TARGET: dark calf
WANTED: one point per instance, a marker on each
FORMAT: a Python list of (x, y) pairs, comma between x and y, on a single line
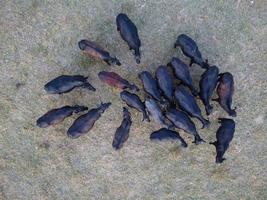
[(190, 49), (182, 73), (165, 82), (188, 103), (225, 91), (129, 34), (115, 80), (182, 121), (134, 101), (155, 111), (57, 115), (224, 136), (122, 133), (165, 134), (150, 85), (85, 123), (66, 83), (94, 50), (207, 85)]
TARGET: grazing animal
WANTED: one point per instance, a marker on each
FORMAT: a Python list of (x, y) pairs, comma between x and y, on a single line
[(182, 73), (94, 50), (115, 80), (165, 134), (224, 136), (57, 115), (150, 85), (182, 121), (155, 111), (85, 123), (190, 49), (165, 82), (225, 91), (66, 83), (188, 103), (129, 34), (134, 101), (122, 133), (207, 85)]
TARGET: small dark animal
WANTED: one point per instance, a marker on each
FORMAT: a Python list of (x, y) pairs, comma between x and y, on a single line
[(115, 80), (57, 115), (225, 91), (188, 103), (129, 34), (122, 133), (134, 101), (155, 111), (165, 82), (165, 134), (150, 85), (190, 49), (66, 83), (207, 85), (85, 123), (182, 121), (182, 73), (224, 136), (94, 50)]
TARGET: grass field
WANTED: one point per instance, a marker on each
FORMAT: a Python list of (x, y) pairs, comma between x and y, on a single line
[(39, 42)]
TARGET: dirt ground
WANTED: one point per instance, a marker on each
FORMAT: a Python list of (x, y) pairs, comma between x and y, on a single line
[(39, 42)]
